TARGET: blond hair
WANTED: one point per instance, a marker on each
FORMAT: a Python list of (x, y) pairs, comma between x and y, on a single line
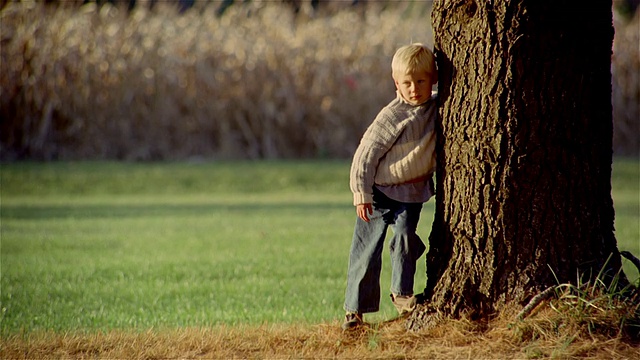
[(413, 58)]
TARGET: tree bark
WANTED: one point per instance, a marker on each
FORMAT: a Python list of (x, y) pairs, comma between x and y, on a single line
[(524, 153)]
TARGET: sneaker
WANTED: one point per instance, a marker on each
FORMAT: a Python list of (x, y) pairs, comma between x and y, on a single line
[(351, 320), (405, 304)]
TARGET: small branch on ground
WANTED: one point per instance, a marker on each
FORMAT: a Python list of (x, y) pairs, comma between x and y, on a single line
[(535, 301)]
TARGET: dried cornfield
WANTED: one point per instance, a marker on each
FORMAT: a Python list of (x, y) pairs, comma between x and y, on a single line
[(89, 82), (626, 86)]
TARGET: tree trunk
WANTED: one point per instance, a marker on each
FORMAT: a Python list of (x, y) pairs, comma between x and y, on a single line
[(525, 151)]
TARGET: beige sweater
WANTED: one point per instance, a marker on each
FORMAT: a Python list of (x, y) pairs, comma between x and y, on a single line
[(397, 148)]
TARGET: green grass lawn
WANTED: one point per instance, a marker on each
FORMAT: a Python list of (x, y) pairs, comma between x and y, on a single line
[(99, 246)]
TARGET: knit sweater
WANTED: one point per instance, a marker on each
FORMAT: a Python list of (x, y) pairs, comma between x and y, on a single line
[(397, 148)]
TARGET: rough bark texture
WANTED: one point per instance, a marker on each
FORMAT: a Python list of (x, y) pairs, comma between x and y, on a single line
[(524, 168)]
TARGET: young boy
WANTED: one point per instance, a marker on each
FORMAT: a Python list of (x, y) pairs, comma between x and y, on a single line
[(391, 177)]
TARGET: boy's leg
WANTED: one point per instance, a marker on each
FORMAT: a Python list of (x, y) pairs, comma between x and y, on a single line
[(405, 247), (365, 263)]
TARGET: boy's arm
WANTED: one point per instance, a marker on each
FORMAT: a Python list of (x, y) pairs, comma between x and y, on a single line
[(375, 143)]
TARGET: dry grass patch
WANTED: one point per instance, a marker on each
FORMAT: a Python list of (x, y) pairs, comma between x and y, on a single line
[(536, 337)]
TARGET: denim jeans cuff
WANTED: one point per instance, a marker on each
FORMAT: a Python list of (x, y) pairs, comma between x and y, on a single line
[(401, 293), (362, 311)]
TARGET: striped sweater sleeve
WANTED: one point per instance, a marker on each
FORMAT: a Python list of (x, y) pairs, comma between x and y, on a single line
[(375, 143), (397, 148)]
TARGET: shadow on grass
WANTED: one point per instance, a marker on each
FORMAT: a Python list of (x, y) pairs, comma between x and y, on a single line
[(93, 211)]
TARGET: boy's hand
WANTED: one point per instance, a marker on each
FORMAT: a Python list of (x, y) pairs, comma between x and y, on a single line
[(364, 210)]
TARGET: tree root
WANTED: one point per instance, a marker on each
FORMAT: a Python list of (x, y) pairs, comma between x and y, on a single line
[(548, 292), (635, 295), (632, 258), (426, 316), (423, 317)]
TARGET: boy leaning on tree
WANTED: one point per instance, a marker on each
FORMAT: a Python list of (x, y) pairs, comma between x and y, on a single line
[(391, 177)]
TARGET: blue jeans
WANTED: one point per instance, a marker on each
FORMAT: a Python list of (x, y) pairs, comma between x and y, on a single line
[(365, 259)]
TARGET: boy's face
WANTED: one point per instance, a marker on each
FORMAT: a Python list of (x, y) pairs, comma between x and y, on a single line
[(415, 87)]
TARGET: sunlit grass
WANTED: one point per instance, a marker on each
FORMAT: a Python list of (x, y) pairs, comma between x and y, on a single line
[(104, 246), (625, 191), (97, 246)]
